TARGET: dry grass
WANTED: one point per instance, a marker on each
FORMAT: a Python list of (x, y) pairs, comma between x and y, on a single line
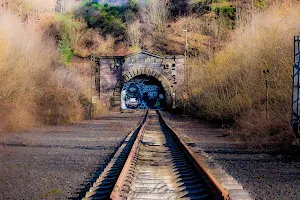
[(233, 83), (99, 109), (89, 41), (134, 35), (28, 8), (154, 14), (34, 87), (81, 39), (35, 7), (203, 39)]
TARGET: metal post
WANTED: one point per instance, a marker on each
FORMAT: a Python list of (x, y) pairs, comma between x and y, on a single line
[(266, 72), (267, 98), (187, 69), (296, 87), (99, 74), (92, 84), (186, 73)]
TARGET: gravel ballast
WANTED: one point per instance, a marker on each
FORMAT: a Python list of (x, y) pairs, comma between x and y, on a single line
[(266, 175), (58, 162)]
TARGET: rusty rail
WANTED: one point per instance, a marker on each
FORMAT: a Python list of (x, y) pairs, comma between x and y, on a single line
[(102, 187), (202, 169), (123, 183), (118, 191), (157, 155)]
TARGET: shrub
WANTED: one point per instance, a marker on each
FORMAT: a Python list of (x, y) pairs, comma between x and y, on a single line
[(108, 18), (224, 14), (59, 102), (34, 86), (262, 4), (154, 14), (63, 27), (65, 51), (134, 34), (29, 8), (232, 85), (74, 37), (179, 8)]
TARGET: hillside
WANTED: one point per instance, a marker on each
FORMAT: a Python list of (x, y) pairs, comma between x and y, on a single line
[(37, 86), (230, 42), (229, 48)]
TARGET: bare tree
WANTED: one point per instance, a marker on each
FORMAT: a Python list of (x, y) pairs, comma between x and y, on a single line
[(154, 14), (134, 34)]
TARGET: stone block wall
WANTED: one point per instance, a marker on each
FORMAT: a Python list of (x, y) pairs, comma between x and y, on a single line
[(114, 71)]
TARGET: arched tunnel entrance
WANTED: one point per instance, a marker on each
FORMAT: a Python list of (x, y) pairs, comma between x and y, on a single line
[(143, 92)]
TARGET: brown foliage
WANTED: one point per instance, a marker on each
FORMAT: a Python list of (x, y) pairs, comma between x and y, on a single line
[(34, 86), (232, 84)]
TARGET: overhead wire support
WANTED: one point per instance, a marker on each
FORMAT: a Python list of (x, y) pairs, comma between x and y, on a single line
[(296, 88)]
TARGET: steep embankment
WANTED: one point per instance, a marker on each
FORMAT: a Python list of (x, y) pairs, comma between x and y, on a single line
[(35, 86), (233, 84)]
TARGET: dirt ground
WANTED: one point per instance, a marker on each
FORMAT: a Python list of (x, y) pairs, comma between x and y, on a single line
[(58, 162), (267, 175)]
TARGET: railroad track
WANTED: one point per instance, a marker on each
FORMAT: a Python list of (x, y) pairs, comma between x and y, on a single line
[(154, 163)]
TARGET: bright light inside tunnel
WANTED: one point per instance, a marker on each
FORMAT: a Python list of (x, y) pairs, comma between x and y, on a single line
[(143, 92)]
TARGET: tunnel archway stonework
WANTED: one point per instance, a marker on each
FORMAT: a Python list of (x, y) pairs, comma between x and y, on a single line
[(150, 72), (150, 90), (113, 72)]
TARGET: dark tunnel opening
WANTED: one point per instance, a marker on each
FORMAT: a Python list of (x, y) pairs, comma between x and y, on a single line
[(143, 92)]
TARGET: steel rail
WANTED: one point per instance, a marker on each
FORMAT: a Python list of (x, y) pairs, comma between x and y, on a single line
[(102, 187), (117, 192), (126, 178), (201, 168)]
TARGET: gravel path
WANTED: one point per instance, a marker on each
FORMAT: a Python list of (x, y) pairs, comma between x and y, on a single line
[(58, 162), (267, 176)]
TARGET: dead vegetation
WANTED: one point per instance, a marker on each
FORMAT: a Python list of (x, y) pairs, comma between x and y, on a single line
[(230, 44), (233, 85), (75, 33), (35, 87)]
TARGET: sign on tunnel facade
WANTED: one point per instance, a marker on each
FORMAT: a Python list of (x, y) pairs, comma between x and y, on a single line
[(139, 81)]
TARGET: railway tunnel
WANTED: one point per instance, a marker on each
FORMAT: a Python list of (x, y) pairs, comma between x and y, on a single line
[(143, 92), (140, 80)]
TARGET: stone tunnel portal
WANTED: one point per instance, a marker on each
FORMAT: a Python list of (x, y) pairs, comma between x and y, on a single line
[(143, 92)]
